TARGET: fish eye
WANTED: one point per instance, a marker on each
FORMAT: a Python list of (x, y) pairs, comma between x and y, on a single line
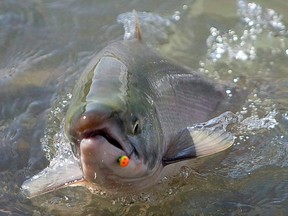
[(135, 125)]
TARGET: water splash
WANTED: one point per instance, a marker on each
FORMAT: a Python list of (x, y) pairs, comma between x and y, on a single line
[(54, 142), (258, 22), (254, 123), (154, 27), (231, 45), (257, 18)]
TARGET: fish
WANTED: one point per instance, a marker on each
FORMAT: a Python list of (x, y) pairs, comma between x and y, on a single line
[(133, 116)]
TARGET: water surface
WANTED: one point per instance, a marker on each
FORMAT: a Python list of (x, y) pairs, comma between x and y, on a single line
[(46, 44)]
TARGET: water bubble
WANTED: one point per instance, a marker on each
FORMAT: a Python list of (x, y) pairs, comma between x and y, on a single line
[(241, 55), (243, 112), (229, 92), (235, 80), (176, 16), (202, 64), (243, 46)]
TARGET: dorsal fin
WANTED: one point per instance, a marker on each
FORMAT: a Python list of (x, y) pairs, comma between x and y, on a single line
[(138, 31)]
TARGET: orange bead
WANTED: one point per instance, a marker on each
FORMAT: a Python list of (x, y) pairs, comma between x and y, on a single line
[(123, 161)]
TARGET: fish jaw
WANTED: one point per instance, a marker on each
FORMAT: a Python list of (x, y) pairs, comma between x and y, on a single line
[(100, 166)]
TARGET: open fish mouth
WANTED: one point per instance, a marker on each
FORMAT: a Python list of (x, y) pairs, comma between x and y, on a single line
[(99, 147), (113, 138), (100, 121), (105, 133)]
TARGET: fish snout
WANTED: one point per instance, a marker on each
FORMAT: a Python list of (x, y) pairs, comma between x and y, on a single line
[(86, 123), (98, 120), (100, 141)]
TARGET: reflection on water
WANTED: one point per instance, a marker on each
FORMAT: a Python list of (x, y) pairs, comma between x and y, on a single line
[(46, 44)]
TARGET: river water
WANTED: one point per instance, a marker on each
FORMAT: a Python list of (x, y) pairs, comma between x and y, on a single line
[(46, 44)]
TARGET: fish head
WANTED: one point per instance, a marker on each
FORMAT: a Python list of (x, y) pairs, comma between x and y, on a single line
[(114, 124)]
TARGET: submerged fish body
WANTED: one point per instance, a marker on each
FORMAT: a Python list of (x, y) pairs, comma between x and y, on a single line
[(132, 102)]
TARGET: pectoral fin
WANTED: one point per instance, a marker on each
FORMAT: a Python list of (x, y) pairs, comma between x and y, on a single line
[(59, 174), (201, 140)]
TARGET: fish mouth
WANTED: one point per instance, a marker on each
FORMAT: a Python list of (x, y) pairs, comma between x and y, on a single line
[(112, 136), (102, 121), (100, 151), (105, 134)]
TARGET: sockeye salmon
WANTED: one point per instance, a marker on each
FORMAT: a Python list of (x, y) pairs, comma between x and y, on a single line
[(133, 114)]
